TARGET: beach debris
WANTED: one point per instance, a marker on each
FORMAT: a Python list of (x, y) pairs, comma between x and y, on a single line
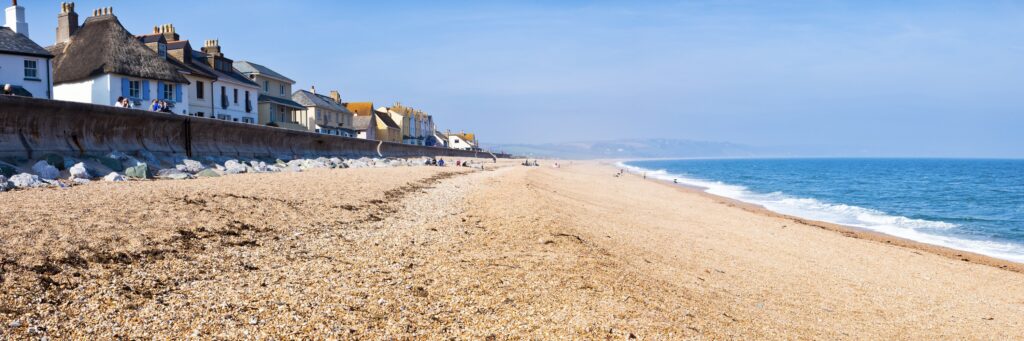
[(114, 177), (78, 171), (25, 180), (140, 171), (208, 173), (45, 170), (173, 174), (190, 166), (234, 167)]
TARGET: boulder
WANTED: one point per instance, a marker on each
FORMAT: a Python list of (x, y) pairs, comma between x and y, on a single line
[(234, 167), (114, 177), (55, 161), (78, 171), (112, 163), (7, 170), (25, 180), (45, 170), (208, 173), (79, 181), (190, 166), (138, 172), (4, 185), (173, 174)]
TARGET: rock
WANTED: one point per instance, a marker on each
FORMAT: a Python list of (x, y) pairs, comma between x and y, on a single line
[(234, 167), (25, 180), (208, 173), (259, 166), (396, 163), (114, 177), (45, 170), (190, 166), (15, 324), (173, 174), (79, 181), (4, 184), (138, 172), (336, 163), (7, 170), (78, 171), (112, 163), (54, 160)]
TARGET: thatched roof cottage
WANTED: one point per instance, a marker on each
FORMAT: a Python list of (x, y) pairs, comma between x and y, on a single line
[(100, 61)]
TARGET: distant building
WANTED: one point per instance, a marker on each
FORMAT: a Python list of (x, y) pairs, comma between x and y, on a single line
[(101, 61), (276, 107), (378, 126), (462, 141), (324, 114), (416, 125), (25, 65)]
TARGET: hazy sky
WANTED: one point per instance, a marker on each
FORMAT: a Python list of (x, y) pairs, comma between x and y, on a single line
[(924, 78)]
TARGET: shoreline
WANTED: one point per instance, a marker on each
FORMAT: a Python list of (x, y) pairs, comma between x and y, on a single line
[(845, 230)]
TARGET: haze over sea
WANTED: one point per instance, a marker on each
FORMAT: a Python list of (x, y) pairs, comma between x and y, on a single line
[(975, 205)]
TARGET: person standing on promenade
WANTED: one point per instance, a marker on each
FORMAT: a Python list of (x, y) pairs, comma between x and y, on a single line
[(8, 91), (154, 105)]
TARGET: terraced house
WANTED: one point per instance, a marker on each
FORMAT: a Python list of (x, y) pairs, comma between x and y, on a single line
[(372, 124), (324, 114), (216, 89), (100, 61), (276, 107)]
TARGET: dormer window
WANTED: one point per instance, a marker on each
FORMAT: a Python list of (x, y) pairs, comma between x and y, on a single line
[(161, 49)]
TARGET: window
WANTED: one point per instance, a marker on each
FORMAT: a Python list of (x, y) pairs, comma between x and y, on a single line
[(248, 120), (134, 89), (266, 86), (236, 96), (248, 104), (162, 50), (223, 117), (224, 97), (200, 92), (282, 89), (31, 69), (201, 114), (169, 92)]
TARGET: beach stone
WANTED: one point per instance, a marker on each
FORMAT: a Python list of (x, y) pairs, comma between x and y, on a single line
[(4, 184), (54, 160), (173, 174), (190, 166), (208, 173), (45, 170), (15, 324), (234, 167), (78, 171), (79, 181), (7, 170), (25, 180), (114, 177), (112, 163), (259, 166), (138, 172)]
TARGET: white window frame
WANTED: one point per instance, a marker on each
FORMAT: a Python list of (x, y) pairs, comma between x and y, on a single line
[(31, 66)]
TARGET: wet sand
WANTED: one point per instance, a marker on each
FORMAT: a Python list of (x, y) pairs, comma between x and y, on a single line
[(511, 252)]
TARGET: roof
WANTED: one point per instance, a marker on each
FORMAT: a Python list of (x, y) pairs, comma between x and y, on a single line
[(250, 67), (360, 108), (234, 75), (281, 101), (361, 123), (15, 43), (387, 120), (103, 46), (310, 99)]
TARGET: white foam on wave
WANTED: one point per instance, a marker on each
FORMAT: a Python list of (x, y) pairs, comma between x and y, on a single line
[(849, 215)]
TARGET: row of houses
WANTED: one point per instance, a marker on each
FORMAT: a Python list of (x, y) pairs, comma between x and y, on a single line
[(98, 61)]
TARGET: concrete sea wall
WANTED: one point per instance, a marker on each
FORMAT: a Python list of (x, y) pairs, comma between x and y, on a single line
[(32, 127)]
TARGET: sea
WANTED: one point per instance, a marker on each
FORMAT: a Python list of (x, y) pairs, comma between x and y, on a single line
[(974, 205)]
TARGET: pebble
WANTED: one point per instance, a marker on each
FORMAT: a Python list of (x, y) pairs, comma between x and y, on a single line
[(14, 324)]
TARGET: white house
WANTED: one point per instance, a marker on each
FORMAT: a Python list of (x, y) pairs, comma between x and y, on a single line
[(101, 61), (216, 89), (25, 65), (462, 141)]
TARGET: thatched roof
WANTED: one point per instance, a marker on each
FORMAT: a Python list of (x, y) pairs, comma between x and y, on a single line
[(103, 46)]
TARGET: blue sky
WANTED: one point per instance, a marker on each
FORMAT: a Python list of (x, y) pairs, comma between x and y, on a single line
[(888, 78)]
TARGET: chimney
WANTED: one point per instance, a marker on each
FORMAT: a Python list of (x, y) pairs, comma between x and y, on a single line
[(336, 96), (312, 89), (168, 32), (67, 22), (16, 18), (212, 48)]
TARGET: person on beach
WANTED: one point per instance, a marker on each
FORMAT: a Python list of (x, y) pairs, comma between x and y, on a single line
[(458, 163), (675, 181), (120, 102), (440, 163), (8, 90)]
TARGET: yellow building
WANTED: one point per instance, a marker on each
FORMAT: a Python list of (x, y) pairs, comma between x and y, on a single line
[(383, 127)]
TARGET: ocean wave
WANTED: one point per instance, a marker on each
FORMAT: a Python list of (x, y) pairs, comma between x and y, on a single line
[(921, 230)]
